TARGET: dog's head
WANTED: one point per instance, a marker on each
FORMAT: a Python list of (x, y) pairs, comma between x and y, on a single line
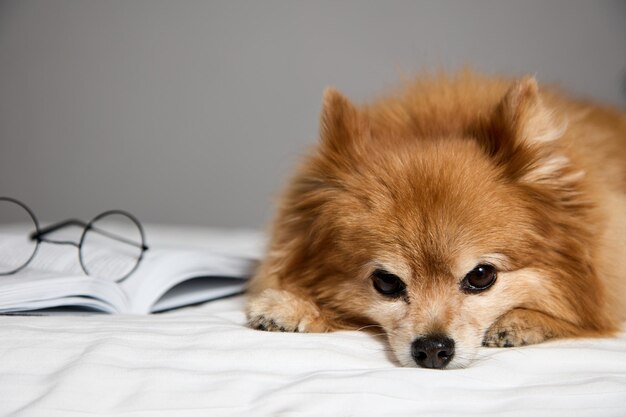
[(432, 219)]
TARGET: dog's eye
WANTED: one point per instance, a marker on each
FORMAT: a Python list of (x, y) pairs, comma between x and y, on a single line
[(387, 284), (479, 278)]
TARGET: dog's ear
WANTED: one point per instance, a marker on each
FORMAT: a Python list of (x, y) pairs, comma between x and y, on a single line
[(524, 117), (341, 124), (523, 136)]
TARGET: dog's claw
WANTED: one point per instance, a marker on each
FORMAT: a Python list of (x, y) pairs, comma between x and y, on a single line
[(269, 325)]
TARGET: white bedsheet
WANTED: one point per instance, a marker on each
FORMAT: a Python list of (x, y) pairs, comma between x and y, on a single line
[(203, 361)]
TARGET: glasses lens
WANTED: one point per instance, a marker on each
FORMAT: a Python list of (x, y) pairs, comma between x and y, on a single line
[(16, 226), (111, 248)]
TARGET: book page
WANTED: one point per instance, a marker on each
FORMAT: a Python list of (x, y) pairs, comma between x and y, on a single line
[(63, 306), (53, 275), (32, 289), (105, 261), (163, 269), (15, 250), (198, 290)]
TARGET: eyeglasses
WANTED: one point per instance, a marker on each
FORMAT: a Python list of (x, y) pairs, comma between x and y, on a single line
[(111, 245)]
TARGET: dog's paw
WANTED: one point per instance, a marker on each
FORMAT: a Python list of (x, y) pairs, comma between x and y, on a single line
[(281, 311), (515, 328)]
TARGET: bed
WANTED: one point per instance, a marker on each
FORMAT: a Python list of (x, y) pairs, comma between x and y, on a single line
[(203, 361)]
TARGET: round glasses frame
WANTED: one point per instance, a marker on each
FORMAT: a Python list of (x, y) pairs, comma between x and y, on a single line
[(38, 235)]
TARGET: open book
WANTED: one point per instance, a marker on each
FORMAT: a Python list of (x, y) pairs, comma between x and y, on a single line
[(168, 276)]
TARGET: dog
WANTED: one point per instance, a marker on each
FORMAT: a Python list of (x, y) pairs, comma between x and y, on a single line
[(461, 211)]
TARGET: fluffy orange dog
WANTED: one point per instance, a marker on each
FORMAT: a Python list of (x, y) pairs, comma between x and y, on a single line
[(463, 211)]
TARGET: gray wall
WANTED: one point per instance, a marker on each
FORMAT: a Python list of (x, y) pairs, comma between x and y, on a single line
[(194, 112)]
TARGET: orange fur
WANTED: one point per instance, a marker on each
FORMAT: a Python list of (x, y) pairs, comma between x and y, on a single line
[(449, 173)]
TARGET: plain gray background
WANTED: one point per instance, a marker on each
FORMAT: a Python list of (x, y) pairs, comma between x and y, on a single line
[(195, 112)]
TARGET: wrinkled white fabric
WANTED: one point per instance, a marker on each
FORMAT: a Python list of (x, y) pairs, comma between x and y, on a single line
[(202, 361)]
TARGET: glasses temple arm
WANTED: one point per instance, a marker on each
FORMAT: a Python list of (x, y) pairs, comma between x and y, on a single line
[(118, 238)]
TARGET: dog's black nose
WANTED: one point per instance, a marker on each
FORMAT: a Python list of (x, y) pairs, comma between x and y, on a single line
[(433, 351)]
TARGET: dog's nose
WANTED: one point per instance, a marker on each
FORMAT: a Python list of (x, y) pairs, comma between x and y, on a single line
[(433, 351)]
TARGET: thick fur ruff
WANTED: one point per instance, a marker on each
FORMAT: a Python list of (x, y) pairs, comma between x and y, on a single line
[(445, 175)]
